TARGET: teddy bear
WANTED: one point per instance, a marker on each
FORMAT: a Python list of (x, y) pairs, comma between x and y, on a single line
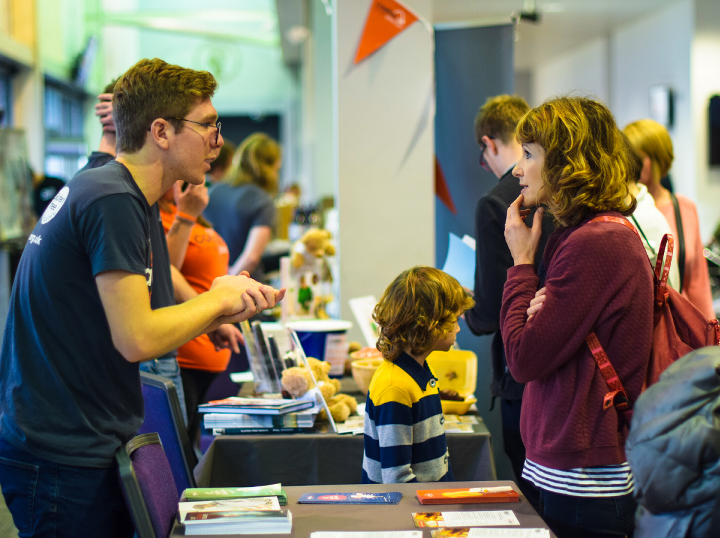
[(313, 244), (297, 381)]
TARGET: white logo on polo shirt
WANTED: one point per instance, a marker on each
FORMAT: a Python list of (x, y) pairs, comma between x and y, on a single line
[(55, 205)]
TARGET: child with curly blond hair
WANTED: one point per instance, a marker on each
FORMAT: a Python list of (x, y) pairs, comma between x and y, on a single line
[(404, 424)]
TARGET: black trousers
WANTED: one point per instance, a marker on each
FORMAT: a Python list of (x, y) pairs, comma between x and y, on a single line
[(196, 384), (515, 449)]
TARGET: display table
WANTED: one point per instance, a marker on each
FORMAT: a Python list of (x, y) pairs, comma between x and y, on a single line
[(322, 458), (308, 518)]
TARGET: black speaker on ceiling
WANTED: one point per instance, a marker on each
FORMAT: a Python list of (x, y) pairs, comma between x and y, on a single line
[(714, 127)]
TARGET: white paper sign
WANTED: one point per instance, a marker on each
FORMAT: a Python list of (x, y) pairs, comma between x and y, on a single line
[(486, 518), (362, 308), (398, 534), (509, 533), (460, 261)]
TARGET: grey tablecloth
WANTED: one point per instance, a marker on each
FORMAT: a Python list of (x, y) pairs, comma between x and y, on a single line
[(308, 518), (318, 459)]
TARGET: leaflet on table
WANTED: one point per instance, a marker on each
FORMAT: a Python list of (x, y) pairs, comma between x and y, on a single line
[(460, 261), (254, 504), (488, 518), (252, 431), (388, 534), (457, 427), (392, 497), (209, 494), (462, 419), (490, 533), (497, 494)]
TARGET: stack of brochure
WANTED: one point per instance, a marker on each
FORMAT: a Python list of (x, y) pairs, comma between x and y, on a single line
[(257, 515), (255, 406), (238, 424)]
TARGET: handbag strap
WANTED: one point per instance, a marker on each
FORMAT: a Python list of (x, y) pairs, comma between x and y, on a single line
[(661, 271), (681, 239), (616, 397)]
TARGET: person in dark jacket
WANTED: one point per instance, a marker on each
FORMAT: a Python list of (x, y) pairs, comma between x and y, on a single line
[(499, 151), (674, 450)]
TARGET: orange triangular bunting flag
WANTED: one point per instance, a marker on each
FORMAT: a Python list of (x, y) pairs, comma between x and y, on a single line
[(385, 20), (441, 188)]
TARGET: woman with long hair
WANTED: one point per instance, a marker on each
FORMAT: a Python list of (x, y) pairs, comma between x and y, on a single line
[(595, 277), (651, 142), (242, 208)]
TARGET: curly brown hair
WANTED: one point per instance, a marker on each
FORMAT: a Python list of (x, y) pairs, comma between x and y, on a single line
[(417, 309), (586, 160), (153, 89)]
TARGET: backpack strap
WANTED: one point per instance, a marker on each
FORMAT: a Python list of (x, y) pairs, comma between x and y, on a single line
[(616, 397), (681, 239)]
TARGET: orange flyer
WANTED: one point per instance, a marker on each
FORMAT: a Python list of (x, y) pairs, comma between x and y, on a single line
[(499, 494)]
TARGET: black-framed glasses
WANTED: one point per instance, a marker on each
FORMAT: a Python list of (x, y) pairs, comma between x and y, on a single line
[(216, 125), (483, 162)]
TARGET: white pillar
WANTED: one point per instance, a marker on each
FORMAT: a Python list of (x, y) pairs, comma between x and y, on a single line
[(384, 109)]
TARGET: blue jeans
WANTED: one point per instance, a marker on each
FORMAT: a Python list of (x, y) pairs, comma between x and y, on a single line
[(51, 500), (588, 517), (168, 367)]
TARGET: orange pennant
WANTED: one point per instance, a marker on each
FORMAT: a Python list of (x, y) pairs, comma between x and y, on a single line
[(441, 188), (385, 20)]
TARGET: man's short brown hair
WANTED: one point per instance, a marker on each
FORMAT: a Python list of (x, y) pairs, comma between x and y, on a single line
[(498, 117), (153, 89)]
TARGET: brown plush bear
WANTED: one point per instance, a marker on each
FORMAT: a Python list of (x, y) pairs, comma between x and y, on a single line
[(297, 381), (313, 244)]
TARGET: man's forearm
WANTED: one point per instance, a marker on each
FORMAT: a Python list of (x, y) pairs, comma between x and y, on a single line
[(140, 333)]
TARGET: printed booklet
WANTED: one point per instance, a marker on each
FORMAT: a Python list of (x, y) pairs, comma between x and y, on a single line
[(204, 523), (499, 494), (254, 504), (210, 494), (351, 498)]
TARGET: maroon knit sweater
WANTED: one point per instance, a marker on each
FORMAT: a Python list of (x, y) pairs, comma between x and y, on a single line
[(598, 279)]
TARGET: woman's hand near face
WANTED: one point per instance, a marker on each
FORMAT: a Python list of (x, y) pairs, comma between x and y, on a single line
[(522, 241)]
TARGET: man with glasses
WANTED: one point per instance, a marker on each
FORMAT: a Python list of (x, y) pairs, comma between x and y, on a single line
[(499, 151), (170, 285), (81, 320)]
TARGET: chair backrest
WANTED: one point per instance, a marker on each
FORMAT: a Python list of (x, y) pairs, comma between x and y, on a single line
[(163, 415), (148, 485)]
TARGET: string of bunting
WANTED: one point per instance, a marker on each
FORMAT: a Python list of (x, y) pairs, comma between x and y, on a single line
[(386, 19)]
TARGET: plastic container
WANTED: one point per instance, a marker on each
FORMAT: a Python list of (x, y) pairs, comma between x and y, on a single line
[(324, 339), (455, 369), (363, 371), (451, 407)]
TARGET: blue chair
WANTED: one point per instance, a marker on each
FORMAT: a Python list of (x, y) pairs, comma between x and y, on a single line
[(163, 415), (148, 485)]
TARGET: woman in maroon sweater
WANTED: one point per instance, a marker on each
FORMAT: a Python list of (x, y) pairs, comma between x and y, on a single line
[(594, 277)]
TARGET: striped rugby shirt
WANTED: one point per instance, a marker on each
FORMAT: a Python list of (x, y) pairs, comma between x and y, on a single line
[(601, 481), (404, 426)]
